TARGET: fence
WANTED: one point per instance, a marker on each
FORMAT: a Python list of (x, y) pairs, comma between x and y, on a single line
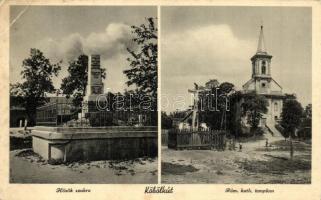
[(164, 137), (55, 114), (65, 114), (196, 139)]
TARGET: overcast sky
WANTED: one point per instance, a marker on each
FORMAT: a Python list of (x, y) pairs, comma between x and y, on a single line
[(202, 43), (66, 32)]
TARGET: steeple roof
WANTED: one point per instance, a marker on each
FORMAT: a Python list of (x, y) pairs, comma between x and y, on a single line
[(261, 45), (261, 49)]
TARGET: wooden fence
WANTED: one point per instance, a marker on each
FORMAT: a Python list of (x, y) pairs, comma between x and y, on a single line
[(164, 137), (199, 139)]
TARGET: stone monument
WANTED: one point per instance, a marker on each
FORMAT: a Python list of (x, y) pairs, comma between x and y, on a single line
[(95, 86), (69, 144)]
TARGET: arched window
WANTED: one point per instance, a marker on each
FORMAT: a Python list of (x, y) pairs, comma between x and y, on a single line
[(263, 67), (276, 107)]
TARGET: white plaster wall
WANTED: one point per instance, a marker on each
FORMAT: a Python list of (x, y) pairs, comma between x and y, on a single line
[(57, 152), (40, 146), (279, 110)]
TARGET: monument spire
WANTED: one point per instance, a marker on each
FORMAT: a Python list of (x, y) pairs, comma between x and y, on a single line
[(261, 45)]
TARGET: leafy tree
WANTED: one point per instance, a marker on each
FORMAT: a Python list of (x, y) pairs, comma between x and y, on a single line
[(291, 117), (290, 96), (214, 110), (308, 111), (177, 114), (234, 121), (226, 88), (37, 74), (74, 85), (143, 62), (142, 70), (305, 129), (254, 106), (167, 122)]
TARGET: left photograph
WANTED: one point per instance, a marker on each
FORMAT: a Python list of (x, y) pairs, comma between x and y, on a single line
[(83, 94)]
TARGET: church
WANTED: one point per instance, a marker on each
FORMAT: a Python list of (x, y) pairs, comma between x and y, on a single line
[(262, 83)]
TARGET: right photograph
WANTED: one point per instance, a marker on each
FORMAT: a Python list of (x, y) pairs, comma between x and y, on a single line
[(236, 95)]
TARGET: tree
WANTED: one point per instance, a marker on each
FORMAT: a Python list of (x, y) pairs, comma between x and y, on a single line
[(74, 85), (305, 129), (291, 116), (142, 70), (308, 111), (215, 105), (143, 62), (167, 122), (254, 106), (37, 74), (234, 120)]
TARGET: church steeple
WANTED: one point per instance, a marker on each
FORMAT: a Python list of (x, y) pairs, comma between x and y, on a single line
[(261, 44), (261, 61)]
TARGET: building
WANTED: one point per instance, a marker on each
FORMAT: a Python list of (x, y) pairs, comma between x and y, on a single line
[(56, 112), (262, 83), (18, 116)]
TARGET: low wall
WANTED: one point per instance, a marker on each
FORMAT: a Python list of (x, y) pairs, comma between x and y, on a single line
[(103, 143)]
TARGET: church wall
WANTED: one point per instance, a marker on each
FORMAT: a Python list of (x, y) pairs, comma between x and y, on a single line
[(274, 110), (277, 108)]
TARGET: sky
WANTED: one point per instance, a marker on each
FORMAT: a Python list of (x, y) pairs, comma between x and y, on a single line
[(203, 43), (65, 32)]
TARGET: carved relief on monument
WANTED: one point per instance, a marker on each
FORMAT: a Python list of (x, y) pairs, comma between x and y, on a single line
[(95, 61), (96, 75), (96, 89)]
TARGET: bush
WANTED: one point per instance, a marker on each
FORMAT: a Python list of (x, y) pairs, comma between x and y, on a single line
[(100, 119), (257, 131), (304, 133)]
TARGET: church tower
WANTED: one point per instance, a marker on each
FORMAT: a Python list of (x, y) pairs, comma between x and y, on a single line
[(262, 83), (261, 67)]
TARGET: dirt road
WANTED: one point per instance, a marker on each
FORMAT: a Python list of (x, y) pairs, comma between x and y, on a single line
[(255, 164), (26, 167)]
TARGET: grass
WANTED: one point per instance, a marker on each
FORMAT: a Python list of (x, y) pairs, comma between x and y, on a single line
[(176, 169), (283, 145), (20, 142), (275, 165), (251, 138)]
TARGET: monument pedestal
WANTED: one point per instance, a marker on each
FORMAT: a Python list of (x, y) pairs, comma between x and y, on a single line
[(68, 144)]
